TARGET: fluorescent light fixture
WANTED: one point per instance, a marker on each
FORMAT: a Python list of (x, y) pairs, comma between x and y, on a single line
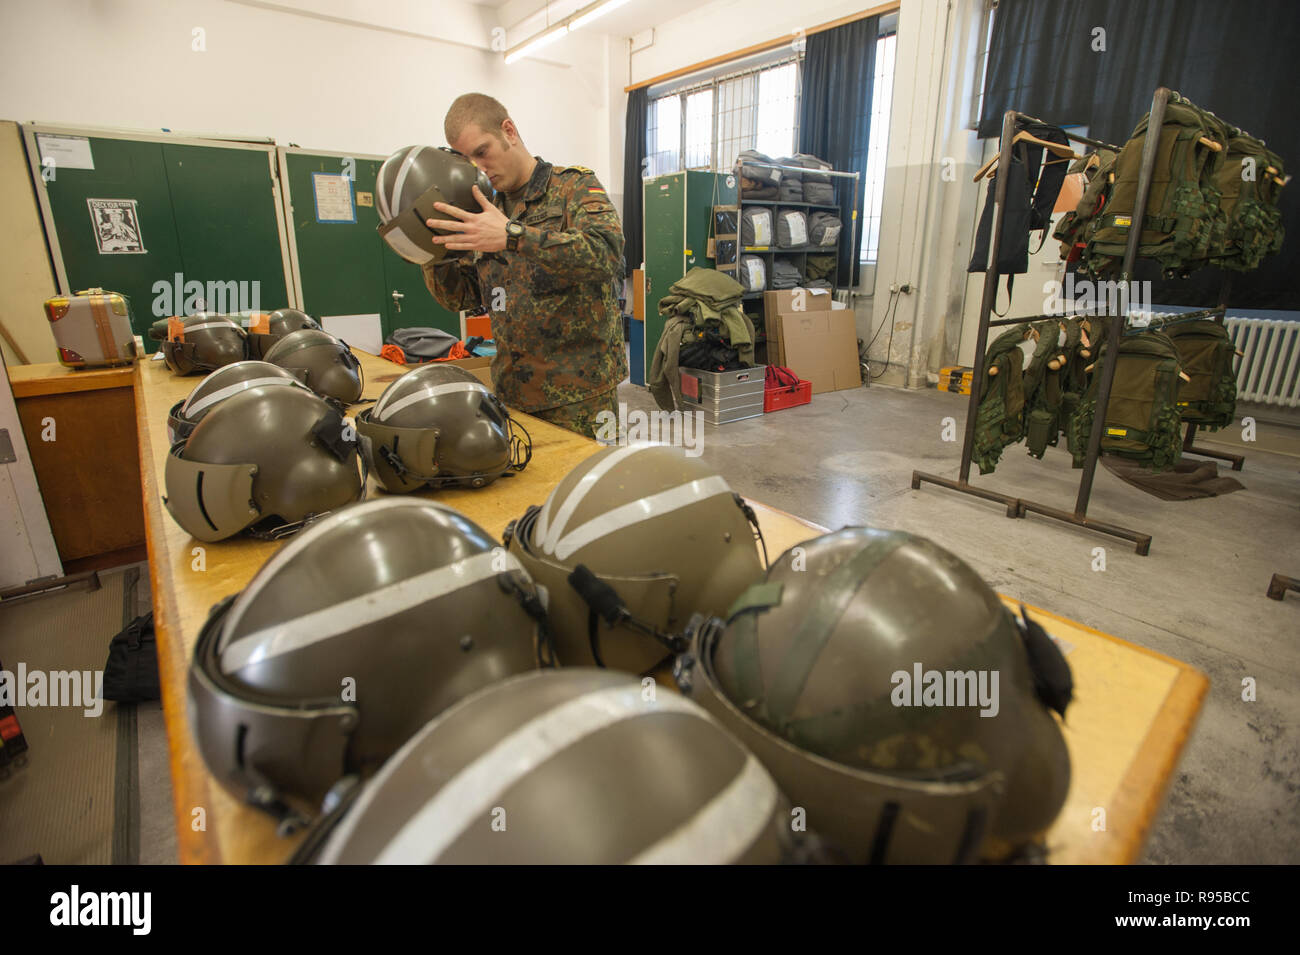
[(567, 25), (545, 38), (598, 9)]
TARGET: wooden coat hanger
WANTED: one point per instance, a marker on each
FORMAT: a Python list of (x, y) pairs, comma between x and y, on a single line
[(1056, 149)]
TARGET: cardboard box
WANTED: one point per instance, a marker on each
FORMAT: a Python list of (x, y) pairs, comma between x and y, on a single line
[(811, 300), (821, 347)]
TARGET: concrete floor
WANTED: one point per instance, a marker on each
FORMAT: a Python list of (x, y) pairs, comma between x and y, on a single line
[(847, 458)]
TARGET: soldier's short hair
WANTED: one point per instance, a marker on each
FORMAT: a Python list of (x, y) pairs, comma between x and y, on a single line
[(482, 110)]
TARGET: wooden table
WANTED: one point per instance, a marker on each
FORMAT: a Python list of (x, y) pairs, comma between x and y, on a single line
[(1132, 713), (89, 474)]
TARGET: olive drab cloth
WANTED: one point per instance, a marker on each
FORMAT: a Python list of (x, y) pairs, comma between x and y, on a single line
[(555, 316)]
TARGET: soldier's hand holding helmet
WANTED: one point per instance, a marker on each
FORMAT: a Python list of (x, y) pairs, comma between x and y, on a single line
[(474, 231)]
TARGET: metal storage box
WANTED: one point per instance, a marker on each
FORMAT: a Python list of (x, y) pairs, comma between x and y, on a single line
[(91, 328), (725, 396)]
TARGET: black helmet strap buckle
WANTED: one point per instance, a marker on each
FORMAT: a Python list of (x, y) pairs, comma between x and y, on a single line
[(604, 603)]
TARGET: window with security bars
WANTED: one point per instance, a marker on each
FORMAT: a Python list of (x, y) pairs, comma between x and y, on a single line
[(877, 143), (706, 125)]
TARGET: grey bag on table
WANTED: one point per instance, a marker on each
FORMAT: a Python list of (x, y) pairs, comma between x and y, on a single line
[(423, 344)]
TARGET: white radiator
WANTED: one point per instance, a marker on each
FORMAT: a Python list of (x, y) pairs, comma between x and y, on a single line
[(1270, 367)]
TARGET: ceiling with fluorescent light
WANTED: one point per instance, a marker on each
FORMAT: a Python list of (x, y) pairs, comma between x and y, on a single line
[(525, 18)]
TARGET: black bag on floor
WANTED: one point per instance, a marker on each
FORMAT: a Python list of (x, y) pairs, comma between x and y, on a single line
[(131, 673)]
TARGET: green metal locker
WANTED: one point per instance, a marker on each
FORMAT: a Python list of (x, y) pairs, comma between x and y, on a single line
[(165, 220), (678, 210), (344, 268)]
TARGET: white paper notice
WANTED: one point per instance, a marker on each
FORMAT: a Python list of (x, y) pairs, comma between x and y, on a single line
[(333, 198), (65, 152), (363, 332)]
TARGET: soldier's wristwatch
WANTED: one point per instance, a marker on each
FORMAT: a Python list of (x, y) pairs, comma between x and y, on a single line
[(514, 231)]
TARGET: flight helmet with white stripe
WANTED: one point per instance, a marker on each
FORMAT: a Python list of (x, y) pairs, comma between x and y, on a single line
[(439, 425), (267, 328), (225, 382), (349, 639), (662, 529), (892, 694), (570, 766), (203, 341), (322, 362), (410, 181), (265, 460)]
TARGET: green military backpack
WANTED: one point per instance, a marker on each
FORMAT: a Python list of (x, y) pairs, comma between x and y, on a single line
[(1182, 214), (1000, 419), (1250, 180), (1142, 421), (1205, 351)]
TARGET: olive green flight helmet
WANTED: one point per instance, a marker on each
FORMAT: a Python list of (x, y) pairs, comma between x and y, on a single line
[(661, 529), (224, 383), (204, 341), (571, 766), (322, 362), (348, 640), (439, 425), (893, 696), (266, 460), (267, 328), (410, 181)]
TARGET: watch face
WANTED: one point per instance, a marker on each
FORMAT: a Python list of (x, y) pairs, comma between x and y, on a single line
[(514, 228)]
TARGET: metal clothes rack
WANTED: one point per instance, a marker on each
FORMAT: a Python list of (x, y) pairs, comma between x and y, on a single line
[(1016, 506)]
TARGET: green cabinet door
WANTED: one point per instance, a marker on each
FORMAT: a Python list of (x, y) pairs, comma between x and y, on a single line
[(345, 268), (664, 215), (678, 212), (128, 183), (224, 203)]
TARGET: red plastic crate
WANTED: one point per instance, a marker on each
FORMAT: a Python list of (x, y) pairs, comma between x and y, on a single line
[(776, 399)]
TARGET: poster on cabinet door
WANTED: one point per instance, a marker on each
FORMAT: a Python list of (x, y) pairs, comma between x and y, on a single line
[(117, 226)]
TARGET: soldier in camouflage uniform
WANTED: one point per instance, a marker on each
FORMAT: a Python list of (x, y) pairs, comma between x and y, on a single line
[(543, 260)]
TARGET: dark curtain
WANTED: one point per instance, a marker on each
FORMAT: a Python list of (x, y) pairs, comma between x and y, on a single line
[(1237, 60), (638, 105), (839, 70)]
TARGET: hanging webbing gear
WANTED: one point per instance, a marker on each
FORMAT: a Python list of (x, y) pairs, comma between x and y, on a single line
[(1000, 418), (1142, 422), (1042, 383)]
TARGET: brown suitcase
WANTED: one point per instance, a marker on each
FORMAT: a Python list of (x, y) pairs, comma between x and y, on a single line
[(92, 328)]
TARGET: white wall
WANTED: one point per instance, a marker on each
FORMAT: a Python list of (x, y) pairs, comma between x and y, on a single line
[(342, 75)]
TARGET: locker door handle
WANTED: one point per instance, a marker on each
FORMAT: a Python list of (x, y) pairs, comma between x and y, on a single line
[(397, 300)]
